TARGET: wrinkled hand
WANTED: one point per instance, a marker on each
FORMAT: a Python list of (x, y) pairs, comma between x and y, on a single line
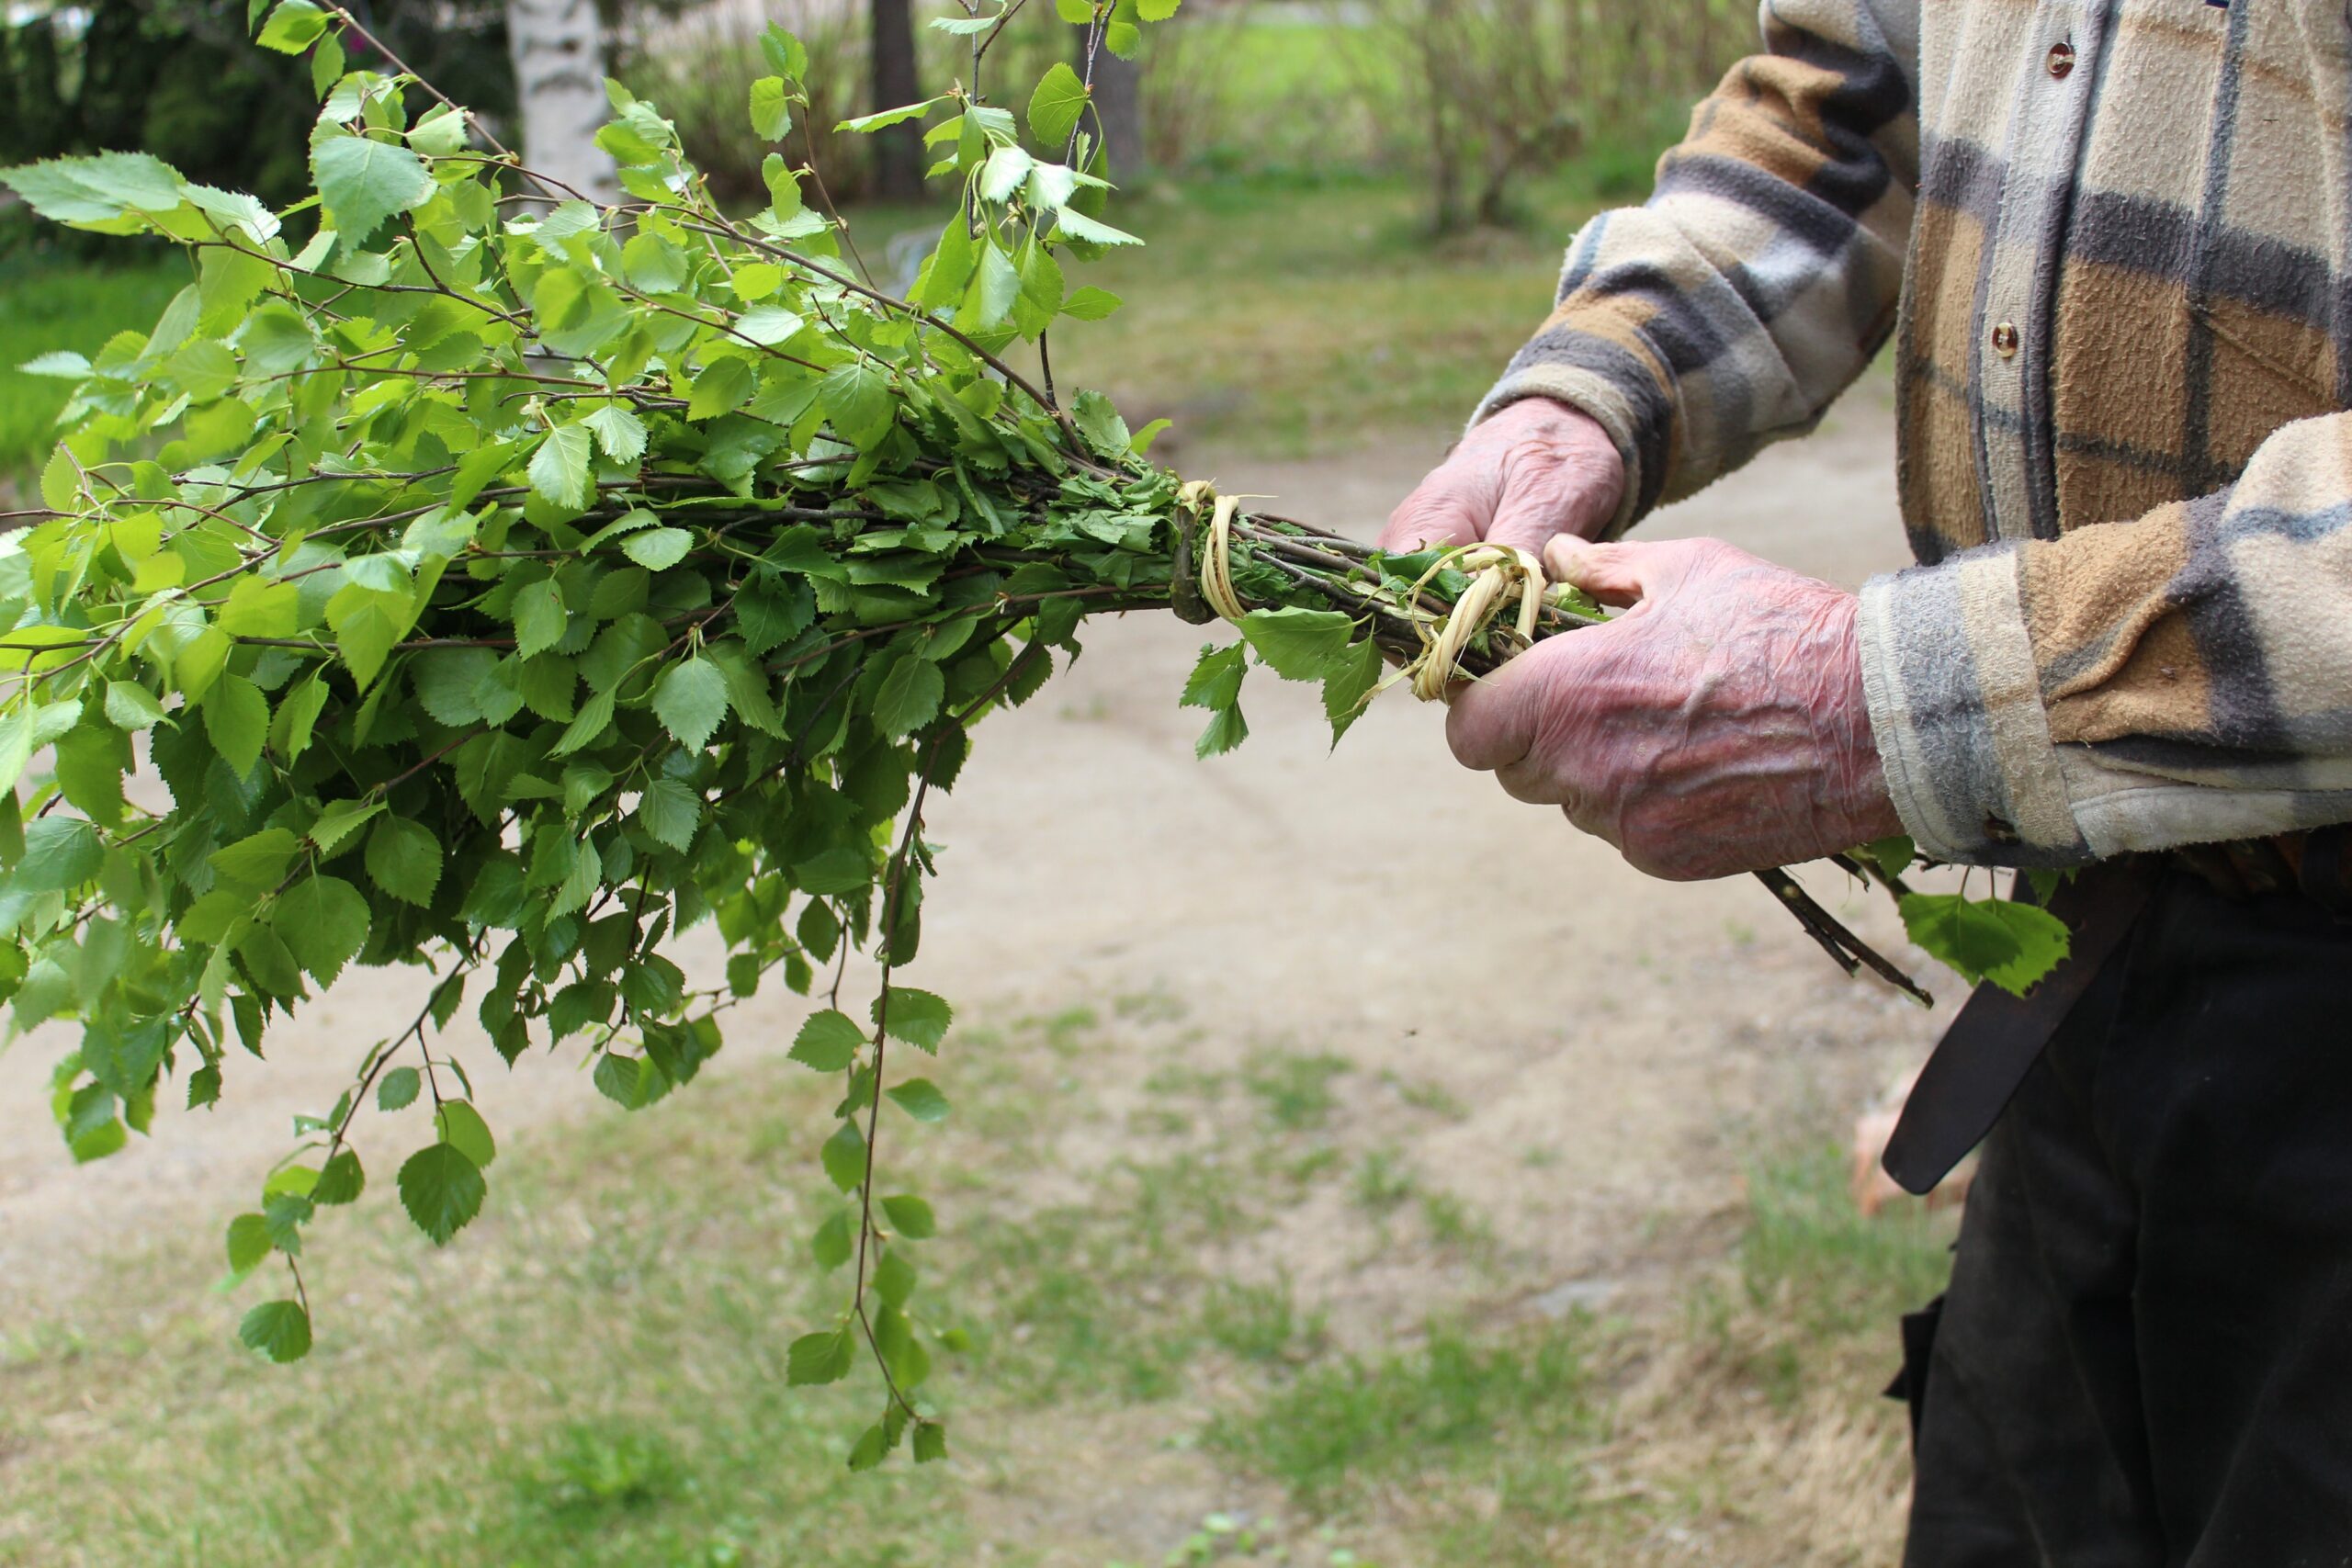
[(1534, 472), (1716, 727)]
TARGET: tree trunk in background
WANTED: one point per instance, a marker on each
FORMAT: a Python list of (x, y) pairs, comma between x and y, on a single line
[(898, 151), (1118, 98), (560, 92)]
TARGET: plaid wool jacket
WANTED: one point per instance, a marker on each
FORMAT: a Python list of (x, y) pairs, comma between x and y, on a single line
[(2112, 239)]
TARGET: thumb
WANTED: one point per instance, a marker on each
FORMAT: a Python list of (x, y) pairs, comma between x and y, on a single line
[(1616, 574), (1490, 723)]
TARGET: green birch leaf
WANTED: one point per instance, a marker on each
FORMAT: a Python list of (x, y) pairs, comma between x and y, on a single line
[(60, 854), (828, 1041), (1216, 680), (816, 1359), (324, 923), (920, 1099), (404, 860), (1056, 105), (724, 386), (620, 432), (1072, 224), (461, 1125), (258, 861), (1300, 645), (293, 26), (279, 1330), (856, 399), (2012, 945), (771, 109), (442, 1191), (398, 1089), (363, 182), (1226, 731), (1891, 856), (919, 1018), (236, 718), (131, 707), (910, 1217), (539, 618), (248, 1243), (341, 1181), (690, 699), (1092, 304), (558, 468), (1348, 691), (670, 812), (658, 550), (908, 696), (843, 1156)]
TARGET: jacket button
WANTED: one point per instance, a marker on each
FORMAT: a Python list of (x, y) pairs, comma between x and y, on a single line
[(2005, 341), (2061, 60)]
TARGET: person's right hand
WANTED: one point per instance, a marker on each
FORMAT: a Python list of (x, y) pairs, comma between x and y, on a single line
[(1534, 472)]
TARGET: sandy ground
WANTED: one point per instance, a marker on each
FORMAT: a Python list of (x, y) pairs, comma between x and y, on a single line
[(1379, 903)]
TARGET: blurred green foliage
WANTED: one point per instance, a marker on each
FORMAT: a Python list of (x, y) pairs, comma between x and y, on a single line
[(181, 77)]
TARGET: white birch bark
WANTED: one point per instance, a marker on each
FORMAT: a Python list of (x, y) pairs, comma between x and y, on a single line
[(558, 54)]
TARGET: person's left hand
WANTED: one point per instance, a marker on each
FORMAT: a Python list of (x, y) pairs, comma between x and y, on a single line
[(1718, 725)]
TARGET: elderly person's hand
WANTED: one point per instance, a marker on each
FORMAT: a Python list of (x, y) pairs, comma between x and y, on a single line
[(1716, 727), (1535, 470)]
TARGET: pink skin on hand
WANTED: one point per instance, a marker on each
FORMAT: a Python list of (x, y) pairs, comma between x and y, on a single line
[(1535, 470), (1716, 727)]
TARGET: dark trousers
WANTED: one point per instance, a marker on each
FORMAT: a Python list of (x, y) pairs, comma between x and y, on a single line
[(2145, 1359)]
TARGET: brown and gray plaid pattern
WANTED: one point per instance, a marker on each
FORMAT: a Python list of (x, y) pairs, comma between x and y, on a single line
[(2112, 239)]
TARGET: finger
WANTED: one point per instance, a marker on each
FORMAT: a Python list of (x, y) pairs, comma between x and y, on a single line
[(1617, 574), (1491, 724), (1430, 521), (1535, 784), (1532, 516)]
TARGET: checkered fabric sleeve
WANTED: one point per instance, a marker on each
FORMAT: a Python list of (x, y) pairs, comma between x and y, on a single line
[(2184, 677), (1764, 273), (2123, 361)]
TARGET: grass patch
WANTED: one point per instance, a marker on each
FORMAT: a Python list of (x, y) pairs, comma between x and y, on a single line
[(1807, 1245), (1281, 321), (1514, 1407), (66, 305), (1294, 1091), (1820, 1286)]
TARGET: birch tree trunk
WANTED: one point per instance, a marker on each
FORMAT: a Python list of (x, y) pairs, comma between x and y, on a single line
[(898, 152), (559, 53), (1118, 99)]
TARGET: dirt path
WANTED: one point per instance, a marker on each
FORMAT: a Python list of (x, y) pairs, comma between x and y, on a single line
[(1378, 903)]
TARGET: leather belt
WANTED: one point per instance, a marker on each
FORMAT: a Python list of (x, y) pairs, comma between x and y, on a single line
[(1985, 1056)]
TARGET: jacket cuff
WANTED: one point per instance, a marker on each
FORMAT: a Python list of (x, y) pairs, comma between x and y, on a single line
[(1623, 413), (1955, 703)]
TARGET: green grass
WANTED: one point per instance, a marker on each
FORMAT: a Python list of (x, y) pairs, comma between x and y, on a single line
[(1808, 1244), (593, 1374), (1286, 321), (1820, 1287), (1507, 1415), (1294, 1090), (66, 305)]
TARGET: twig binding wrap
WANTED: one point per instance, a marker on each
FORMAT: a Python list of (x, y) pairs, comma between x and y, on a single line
[(1502, 572), (1203, 589)]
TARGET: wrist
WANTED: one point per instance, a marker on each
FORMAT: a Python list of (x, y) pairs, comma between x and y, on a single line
[(1862, 799)]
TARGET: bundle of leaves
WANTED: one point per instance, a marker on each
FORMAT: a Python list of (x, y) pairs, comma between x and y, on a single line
[(500, 582)]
